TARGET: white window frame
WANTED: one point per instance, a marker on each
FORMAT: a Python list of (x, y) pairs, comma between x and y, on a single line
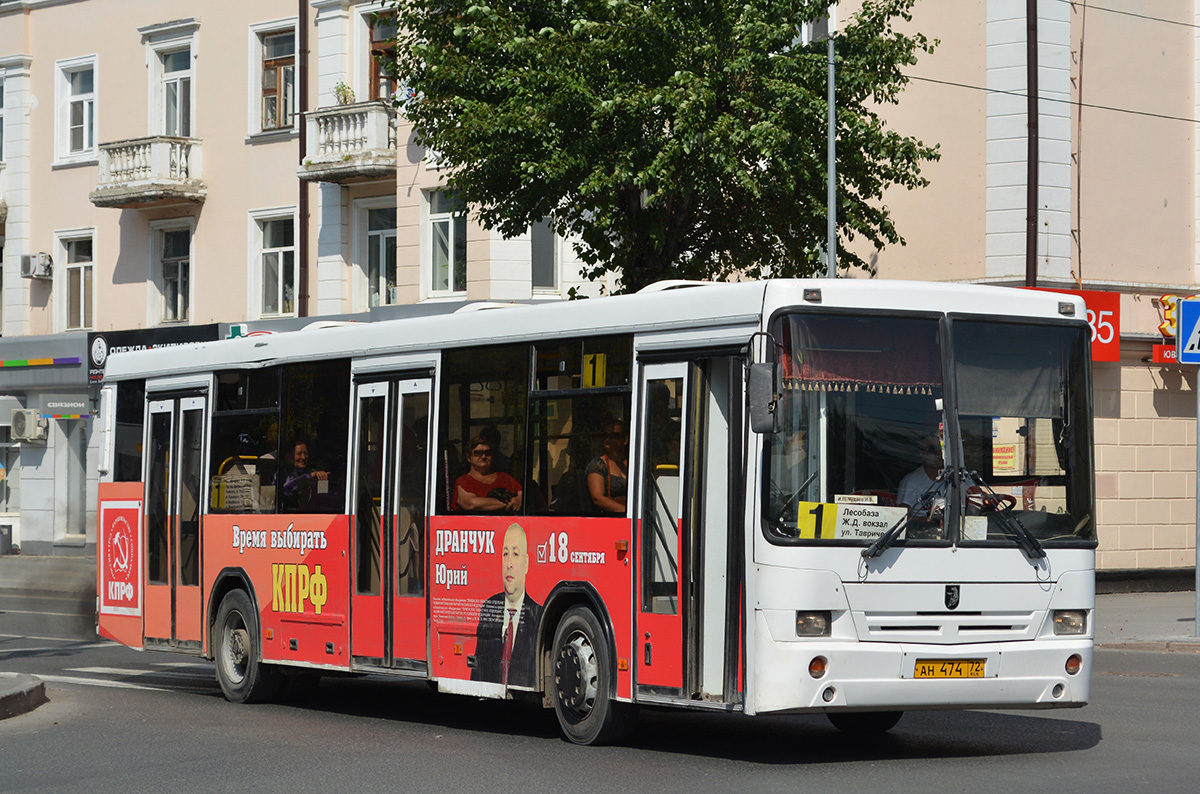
[(161, 40), (61, 280), (3, 103), (362, 248), (428, 219), (254, 90), (360, 71), (158, 296), (257, 220), (63, 99)]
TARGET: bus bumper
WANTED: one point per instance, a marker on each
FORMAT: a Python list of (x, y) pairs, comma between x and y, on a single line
[(863, 676)]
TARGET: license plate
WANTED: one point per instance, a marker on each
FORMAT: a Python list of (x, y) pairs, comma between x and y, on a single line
[(949, 668)]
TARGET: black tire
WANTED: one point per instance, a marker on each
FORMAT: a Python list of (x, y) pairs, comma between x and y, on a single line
[(863, 723), (237, 652), (581, 682)]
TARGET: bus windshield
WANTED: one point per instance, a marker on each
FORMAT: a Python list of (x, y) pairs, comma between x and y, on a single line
[(863, 444), (1023, 400)]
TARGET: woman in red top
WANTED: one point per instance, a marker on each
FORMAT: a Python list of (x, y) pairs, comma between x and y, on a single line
[(484, 490)]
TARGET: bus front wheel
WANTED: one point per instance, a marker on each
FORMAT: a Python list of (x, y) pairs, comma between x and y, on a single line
[(864, 722), (581, 682), (240, 671)]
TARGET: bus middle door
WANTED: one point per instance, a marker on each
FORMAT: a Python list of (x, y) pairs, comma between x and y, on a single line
[(388, 623)]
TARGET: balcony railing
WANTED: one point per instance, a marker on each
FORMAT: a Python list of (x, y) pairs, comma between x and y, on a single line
[(150, 172), (347, 143)]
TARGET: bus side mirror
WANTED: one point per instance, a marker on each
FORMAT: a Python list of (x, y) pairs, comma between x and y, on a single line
[(762, 396)]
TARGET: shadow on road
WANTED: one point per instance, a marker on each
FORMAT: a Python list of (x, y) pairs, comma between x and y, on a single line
[(764, 740)]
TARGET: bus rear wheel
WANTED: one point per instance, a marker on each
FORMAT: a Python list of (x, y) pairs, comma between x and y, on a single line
[(864, 723), (237, 652), (581, 683)]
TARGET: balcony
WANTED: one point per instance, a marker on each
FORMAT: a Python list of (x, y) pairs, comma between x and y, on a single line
[(141, 173), (349, 143)]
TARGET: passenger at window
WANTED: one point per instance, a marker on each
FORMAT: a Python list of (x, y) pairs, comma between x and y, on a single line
[(302, 484), (608, 474), (918, 481), (484, 490), (500, 461)]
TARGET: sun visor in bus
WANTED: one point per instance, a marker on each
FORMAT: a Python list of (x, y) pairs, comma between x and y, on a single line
[(1025, 382)]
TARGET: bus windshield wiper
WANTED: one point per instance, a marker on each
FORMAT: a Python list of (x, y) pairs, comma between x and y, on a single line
[(923, 507), (777, 519), (1007, 518)]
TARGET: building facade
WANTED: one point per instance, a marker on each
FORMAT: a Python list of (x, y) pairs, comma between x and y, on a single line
[(1117, 215), (193, 169)]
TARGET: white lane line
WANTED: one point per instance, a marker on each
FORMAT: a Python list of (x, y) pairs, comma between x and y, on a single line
[(197, 665), (71, 640), (99, 682), (127, 671), (4, 611)]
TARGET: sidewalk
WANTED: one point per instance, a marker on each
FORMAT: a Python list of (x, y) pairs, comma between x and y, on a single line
[(1162, 621)]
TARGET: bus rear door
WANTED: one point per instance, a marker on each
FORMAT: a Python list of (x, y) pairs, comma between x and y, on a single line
[(174, 487)]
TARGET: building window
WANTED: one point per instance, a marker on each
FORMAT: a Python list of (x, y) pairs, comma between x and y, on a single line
[(381, 256), (541, 255), (79, 283), (177, 92), (278, 266), (77, 108), (173, 250), (448, 240), (278, 80), (383, 51)]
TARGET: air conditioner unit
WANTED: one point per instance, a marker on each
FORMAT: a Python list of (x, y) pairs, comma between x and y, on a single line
[(28, 425), (39, 265)]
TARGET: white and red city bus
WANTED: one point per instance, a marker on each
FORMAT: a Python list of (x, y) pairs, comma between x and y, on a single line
[(848, 497)]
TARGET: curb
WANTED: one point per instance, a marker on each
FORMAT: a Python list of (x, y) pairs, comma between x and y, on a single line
[(20, 693), (1162, 646)]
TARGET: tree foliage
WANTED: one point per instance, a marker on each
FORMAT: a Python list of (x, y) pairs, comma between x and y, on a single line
[(671, 138)]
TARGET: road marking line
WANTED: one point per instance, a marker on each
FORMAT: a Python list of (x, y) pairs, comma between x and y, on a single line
[(68, 679), (124, 671), (72, 640), (36, 612)]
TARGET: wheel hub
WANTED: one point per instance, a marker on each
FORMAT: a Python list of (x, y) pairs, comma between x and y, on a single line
[(575, 675)]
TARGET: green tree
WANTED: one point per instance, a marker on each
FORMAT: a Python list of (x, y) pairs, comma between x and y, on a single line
[(671, 138)]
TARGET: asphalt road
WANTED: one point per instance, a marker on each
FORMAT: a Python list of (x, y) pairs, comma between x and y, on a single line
[(121, 720)]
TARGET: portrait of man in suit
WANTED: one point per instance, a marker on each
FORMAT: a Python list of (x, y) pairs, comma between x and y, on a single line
[(508, 621)]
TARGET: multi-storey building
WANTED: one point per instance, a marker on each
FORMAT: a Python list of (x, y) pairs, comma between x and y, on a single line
[(184, 168), (194, 169)]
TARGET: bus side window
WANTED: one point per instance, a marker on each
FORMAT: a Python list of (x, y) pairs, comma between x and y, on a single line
[(314, 434), (245, 442)]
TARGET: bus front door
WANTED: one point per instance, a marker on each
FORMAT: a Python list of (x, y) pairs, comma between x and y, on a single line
[(174, 488), (689, 580), (388, 624)]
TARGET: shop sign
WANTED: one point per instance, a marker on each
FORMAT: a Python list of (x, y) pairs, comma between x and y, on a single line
[(1104, 316)]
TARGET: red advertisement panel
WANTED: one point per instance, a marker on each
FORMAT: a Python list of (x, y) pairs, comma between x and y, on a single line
[(119, 551), (1104, 316), (1165, 354), (489, 574), (298, 566)]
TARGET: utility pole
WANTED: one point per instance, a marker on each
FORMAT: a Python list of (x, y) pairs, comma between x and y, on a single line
[(831, 190), (1031, 179)]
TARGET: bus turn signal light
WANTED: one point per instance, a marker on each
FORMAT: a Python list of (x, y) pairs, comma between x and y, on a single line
[(1074, 664), (816, 668), (1070, 621)]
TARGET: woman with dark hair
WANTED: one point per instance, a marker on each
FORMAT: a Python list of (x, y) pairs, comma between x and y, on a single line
[(608, 474), (481, 489)]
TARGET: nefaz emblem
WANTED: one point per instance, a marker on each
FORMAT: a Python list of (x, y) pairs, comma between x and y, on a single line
[(952, 595)]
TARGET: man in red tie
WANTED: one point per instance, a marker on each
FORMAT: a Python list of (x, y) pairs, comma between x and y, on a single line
[(508, 621)]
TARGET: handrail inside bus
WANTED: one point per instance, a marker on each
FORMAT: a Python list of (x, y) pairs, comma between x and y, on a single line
[(235, 459)]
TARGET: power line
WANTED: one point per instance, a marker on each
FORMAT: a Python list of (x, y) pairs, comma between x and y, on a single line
[(1146, 17)]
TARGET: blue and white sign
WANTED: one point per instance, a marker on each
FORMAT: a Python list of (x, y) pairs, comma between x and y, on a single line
[(1188, 337)]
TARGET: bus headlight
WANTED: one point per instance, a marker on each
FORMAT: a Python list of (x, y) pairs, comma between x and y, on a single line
[(813, 624), (1070, 621)]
